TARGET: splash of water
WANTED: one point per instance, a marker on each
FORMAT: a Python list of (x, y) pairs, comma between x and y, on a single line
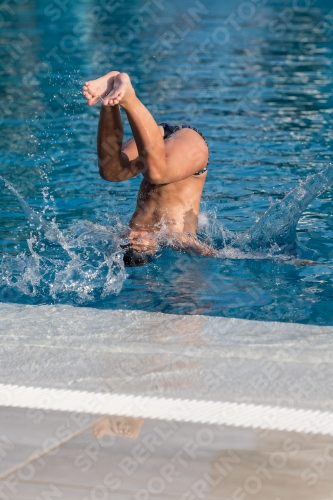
[(276, 228), (84, 264)]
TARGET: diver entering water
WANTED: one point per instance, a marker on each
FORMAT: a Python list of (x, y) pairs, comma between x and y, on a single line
[(173, 160)]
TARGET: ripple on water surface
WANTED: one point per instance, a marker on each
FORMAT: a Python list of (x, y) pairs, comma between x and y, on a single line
[(263, 100)]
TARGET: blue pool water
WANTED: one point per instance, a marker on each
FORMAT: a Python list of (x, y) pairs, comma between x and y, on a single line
[(255, 77)]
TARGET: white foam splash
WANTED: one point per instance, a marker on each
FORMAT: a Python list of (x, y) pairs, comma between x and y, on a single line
[(85, 262)]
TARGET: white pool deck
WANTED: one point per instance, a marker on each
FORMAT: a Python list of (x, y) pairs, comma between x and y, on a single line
[(268, 386), (218, 365), (167, 461)]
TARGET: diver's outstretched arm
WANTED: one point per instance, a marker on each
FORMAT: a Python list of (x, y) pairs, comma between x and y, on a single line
[(114, 164), (147, 154), (159, 161), (114, 157), (190, 244)]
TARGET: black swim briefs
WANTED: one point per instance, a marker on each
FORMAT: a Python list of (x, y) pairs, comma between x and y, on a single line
[(170, 129)]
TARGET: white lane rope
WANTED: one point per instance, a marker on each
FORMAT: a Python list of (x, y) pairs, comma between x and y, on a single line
[(181, 410)]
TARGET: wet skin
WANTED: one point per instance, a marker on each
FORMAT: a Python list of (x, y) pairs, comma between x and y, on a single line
[(169, 195)]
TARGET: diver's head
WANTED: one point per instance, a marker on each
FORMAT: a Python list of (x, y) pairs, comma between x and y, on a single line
[(133, 259), (141, 248)]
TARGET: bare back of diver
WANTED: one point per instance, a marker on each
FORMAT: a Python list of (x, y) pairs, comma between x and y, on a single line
[(173, 161)]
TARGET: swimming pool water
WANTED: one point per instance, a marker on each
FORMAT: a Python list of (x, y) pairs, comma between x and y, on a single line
[(255, 77)]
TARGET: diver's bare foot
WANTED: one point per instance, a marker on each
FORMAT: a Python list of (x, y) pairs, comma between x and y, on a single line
[(122, 91), (95, 90)]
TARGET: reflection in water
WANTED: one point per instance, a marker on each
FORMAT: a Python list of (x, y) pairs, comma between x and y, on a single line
[(263, 100), (119, 427)]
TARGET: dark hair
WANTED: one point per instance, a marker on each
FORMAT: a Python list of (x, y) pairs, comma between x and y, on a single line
[(132, 259)]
